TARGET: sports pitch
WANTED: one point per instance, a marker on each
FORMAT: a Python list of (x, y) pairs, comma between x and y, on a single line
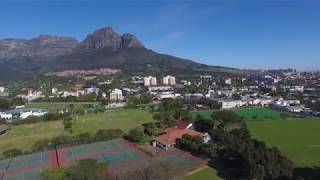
[(299, 139)]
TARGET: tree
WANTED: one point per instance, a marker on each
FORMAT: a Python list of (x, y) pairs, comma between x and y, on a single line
[(227, 118), (41, 145), (54, 174), (67, 124), (152, 129), (4, 103), (136, 135), (87, 169), (12, 153)]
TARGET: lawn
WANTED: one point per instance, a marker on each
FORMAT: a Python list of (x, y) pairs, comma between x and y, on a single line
[(124, 119), (24, 136), (203, 174), (247, 113), (55, 106), (299, 139)]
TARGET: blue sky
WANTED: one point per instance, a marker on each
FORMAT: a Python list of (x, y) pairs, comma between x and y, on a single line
[(244, 34)]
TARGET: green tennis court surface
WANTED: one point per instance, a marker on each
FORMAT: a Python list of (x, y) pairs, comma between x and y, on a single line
[(25, 167), (117, 153)]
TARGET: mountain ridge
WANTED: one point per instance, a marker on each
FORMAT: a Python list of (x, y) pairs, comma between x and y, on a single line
[(104, 48)]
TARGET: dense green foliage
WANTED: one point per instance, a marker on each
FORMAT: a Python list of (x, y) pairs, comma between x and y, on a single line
[(86, 169)]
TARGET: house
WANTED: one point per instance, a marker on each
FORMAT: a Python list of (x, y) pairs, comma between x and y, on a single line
[(168, 140), (182, 127), (4, 128)]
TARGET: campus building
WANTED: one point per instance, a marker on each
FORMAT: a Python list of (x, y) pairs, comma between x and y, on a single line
[(150, 81)]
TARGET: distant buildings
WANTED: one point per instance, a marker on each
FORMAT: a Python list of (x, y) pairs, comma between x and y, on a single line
[(150, 81), (166, 81), (169, 80), (22, 114), (32, 95), (116, 95)]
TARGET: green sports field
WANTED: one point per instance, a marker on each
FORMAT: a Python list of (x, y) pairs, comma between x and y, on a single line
[(299, 139), (203, 174), (257, 113), (24, 136), (246, 113)]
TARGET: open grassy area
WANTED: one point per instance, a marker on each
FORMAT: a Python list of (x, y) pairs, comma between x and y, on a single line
[(299, 139), (24, 136), (247, 113), (124, 119), (203, 174), (55, 106)]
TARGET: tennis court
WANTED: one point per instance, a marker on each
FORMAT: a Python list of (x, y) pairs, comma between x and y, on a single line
[(28, 166), (117, 153)]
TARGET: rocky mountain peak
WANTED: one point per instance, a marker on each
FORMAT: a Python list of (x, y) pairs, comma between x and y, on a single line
[(107, 38)]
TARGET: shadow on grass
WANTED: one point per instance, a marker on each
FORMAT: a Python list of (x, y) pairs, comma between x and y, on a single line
[(307, 173), (227, 169)]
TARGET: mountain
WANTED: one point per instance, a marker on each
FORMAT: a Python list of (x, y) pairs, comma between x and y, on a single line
[(43, 47), (106, 38), (104, 48)]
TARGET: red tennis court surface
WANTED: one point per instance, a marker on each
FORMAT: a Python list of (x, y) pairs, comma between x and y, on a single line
[(119, 154)]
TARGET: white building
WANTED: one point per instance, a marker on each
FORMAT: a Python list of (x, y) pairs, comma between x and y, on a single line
[(116, 95), (2, 89), (150, 81), (169, 80), (228, 81), (32, 95), (54, 90), (22, 113), (5, 115), (230, 103)]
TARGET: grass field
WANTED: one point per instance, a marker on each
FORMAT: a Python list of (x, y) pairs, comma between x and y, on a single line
[(124, 119), (203, 174), (247, 113), (24, 136), (54, 106), (299, 139)]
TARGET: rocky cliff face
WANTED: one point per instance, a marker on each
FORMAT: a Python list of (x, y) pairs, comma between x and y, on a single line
[(44, 47), (107, 38)]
